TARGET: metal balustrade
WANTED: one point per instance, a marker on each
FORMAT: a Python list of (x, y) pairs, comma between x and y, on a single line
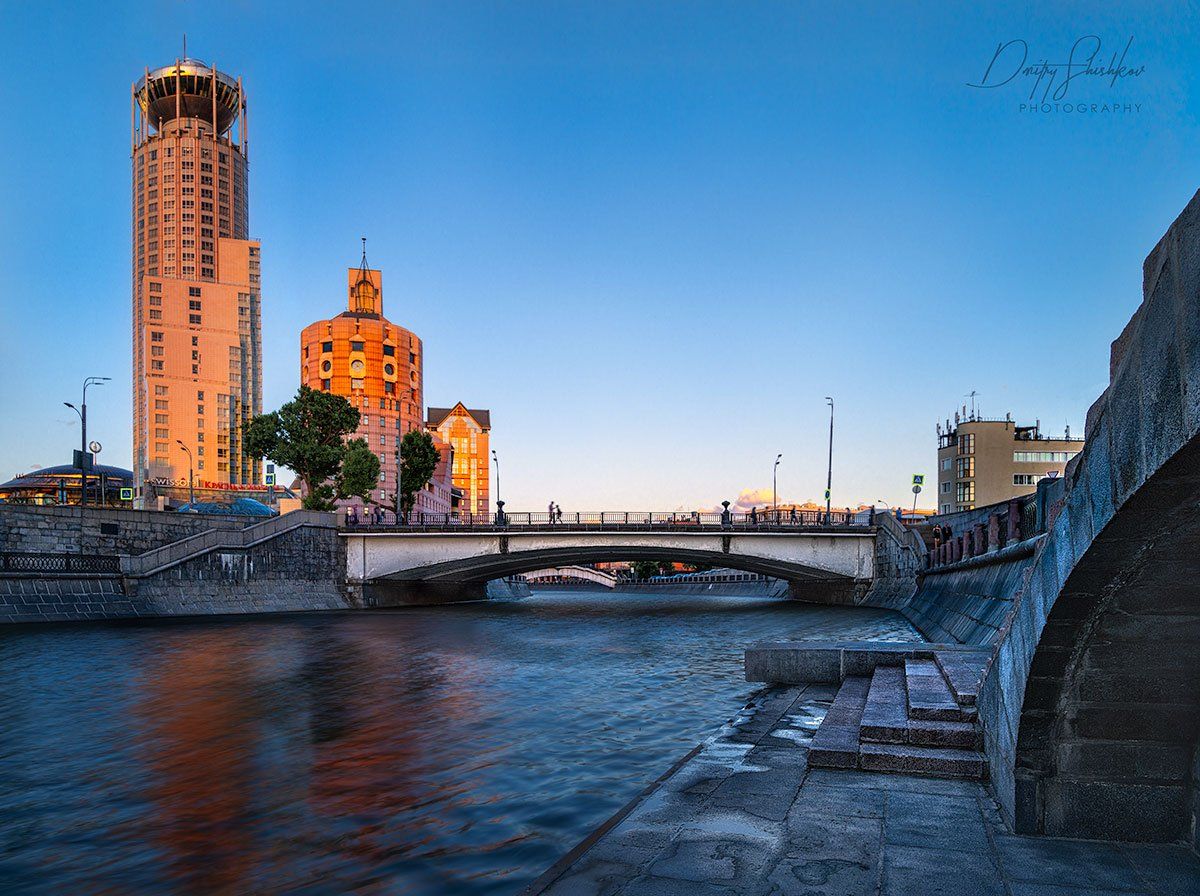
[(59, 564), (640, 520)]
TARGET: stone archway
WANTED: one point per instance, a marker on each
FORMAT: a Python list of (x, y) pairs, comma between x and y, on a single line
[(1107, 746)]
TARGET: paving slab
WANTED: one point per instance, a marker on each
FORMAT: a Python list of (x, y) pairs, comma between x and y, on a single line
[(841, 832)]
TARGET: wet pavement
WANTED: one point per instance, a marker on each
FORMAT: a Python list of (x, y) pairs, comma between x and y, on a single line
[(744, 815)]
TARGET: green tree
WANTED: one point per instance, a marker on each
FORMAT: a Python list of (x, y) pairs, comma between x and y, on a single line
[(418, 459), (360, 471), (644, 569), (308, 435)]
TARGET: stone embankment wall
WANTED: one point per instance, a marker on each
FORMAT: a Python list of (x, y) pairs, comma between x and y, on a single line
[(106, 531), (300, 569), (977, 569), (899, 558), (760, 588), (967, 602)]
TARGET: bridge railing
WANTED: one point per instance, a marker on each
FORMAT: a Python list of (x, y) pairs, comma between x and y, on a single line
[(768, 520)]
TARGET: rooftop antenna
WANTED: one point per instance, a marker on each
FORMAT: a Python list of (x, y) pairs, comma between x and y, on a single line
[(185, 45), (971, 396)]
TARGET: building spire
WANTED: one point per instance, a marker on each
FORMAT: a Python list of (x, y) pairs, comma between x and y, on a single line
[(364, 295)]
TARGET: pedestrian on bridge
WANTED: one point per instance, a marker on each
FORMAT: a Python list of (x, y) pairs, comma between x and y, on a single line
[(550, 512), (754, 516)]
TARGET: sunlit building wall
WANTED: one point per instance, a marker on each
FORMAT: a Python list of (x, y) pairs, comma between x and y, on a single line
[(466, 430)]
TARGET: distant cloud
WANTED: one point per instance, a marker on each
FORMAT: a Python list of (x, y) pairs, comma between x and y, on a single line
[(760, 498)]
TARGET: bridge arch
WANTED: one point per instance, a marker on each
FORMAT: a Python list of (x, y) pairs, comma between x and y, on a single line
[(824, 567), (1091, 705)]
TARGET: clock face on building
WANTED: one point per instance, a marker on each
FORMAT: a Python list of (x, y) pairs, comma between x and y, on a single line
[(357, 366)]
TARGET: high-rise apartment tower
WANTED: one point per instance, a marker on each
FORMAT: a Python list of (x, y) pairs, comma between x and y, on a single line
[(197, 340)]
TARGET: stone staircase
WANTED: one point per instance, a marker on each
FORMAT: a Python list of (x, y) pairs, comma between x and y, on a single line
[(916, 716)]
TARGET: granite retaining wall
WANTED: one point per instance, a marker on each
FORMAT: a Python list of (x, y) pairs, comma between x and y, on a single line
[(96, 530)]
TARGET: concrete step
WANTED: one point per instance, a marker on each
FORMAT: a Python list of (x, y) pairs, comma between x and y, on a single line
[(964, 735), (929, 697), (885, 716), (835, 745), (941, 762), (963, 671)]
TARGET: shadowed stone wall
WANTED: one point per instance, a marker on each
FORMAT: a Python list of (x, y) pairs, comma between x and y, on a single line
[(1091, 704)]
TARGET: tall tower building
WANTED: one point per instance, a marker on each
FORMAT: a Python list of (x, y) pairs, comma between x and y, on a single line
[(197, 324)]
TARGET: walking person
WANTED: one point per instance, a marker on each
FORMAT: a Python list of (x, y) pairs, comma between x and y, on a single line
[(557, 513), (550, 512), (754, 516)]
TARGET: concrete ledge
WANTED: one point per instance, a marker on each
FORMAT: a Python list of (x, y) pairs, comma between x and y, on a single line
[(829, 662)]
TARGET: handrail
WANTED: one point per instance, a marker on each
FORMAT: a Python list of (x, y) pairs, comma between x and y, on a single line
[(641, 520), (59, 564), (222, 539)]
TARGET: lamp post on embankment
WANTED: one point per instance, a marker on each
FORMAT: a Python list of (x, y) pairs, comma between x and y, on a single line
[(829, 477), (191, 482), (83, 442), (774, 489)]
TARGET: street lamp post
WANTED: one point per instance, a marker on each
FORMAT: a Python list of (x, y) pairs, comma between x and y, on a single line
[(829, 477), (774, 489), (83, 443), (191, 484), (499, 503), (399, 456)]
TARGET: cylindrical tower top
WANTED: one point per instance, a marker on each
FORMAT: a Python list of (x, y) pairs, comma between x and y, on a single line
[(186, 89)]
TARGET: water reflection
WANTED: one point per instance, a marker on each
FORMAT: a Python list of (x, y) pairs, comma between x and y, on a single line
[(444, 750)]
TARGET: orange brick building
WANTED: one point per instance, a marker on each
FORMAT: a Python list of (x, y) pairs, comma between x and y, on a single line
[(197, 323), (377, 366), (466, 431)]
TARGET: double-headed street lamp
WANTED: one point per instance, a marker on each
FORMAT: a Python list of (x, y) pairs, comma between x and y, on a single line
[(83, 443), (774, 490), (191, 485)]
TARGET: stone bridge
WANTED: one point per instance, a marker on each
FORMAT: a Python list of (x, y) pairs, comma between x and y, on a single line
[(572, 574), (1091, 702), (834, 564)]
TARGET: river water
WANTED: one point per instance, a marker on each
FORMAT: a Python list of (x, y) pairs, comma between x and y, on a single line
[(456, 749)]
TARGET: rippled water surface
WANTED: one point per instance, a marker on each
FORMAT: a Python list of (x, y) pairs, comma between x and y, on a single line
[(456, 749)]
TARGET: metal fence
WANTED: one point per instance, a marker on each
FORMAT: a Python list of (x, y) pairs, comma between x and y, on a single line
[(59, 564), (782, 520)]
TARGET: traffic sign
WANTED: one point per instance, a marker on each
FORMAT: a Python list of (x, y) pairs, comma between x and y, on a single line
[(826, 494), (270, 479), (916, 489), (918, 478), (126, 494)]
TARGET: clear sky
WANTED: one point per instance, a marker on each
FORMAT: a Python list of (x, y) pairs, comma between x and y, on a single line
[(649, 237)]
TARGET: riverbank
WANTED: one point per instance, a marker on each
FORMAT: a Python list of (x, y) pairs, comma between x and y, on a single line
[(742, 813)]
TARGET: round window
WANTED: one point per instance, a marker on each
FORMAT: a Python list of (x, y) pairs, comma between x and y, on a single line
[(326, 366), (357, 366), (389, 369)]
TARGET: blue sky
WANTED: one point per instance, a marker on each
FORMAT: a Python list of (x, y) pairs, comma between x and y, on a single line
[(649, 237)]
